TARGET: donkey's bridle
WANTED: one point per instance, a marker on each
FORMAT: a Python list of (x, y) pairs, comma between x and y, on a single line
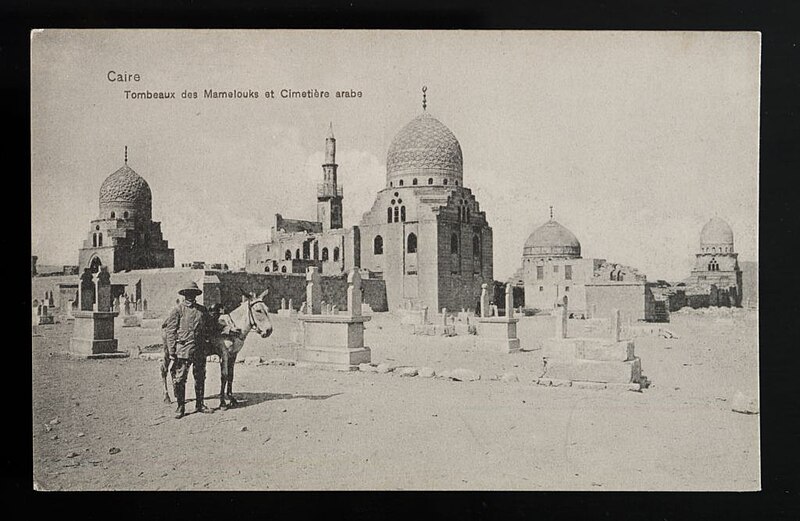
[(250, 317)]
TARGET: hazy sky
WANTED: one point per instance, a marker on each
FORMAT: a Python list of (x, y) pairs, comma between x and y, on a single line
[(636, 139)]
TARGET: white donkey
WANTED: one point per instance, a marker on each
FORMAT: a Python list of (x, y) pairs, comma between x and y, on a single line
[(251, 315)]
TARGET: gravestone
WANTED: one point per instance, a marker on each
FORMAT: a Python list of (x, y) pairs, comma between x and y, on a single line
[(561, 313), (336, 341), (86, 291), (93, 333), (603, 362), (484, 301), (496, 333), (313, 291)]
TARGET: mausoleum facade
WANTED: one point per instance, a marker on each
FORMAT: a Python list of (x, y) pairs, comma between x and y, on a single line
[(124, 237), (425, 234)]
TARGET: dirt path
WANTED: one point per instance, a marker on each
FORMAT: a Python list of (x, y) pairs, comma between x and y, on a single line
[(306, 429)]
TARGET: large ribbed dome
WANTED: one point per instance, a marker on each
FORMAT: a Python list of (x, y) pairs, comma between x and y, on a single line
[(426, 147), (552, 240), (125, 186)]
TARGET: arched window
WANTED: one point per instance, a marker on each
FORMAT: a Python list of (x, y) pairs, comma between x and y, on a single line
[(396, 214), (316, 251), (336, 254), (125, 214), (94, 240), (297, 253), (414, 181), (613, 275), (288, 255), (456, 183), (113, 215), (620, 276), (400, 183), (97, 227), (283, 269), (306, 251), (476, 245), (99, 239), (324, 254), (454, 243), (377, 245), (411, 246), (266, 269), (445, 181), (403, 213), (714, 250), (389, 214), (94, 266), (430, 180), (390, 183)]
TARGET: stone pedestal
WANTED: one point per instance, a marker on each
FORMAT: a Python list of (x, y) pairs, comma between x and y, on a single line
[(434, 330), (497, 334), (333, 342), (577, 370), (93, 335), (603, 360)]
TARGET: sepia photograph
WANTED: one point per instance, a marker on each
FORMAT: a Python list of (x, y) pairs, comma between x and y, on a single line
[(395, 260)]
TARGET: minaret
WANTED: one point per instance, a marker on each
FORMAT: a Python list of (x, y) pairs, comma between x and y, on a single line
[(329, 194)]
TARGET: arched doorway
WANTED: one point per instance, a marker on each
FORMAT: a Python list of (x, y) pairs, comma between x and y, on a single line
[(95, 264)]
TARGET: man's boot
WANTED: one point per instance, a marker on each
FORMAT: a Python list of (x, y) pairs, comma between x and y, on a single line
[(180, 397), (199, 393)]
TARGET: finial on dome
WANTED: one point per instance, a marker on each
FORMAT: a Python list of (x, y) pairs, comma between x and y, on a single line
[(551, 212), (126, 154), (330, 131), (424, 100)]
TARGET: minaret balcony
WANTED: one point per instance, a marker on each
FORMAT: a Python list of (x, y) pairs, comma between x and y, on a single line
[(329, 190)]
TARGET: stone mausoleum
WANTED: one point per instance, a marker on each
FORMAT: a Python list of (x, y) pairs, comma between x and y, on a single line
[(716, 279), (295, 245), (124, 236), (552, 268), (425, 234)]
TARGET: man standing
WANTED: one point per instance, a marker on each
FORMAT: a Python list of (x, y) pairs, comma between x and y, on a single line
[(186, 329)]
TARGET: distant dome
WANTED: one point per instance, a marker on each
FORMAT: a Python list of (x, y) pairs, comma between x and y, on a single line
[(552, 240), (127, 187), (716, 233), (425, 146)]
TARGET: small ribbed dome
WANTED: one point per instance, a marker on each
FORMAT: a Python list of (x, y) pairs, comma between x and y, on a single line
[(552, 240), (715, 232), (716, 236), (424, 145), (125, 186)]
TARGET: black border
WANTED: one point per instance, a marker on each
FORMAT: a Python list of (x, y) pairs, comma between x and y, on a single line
[(778, 22)]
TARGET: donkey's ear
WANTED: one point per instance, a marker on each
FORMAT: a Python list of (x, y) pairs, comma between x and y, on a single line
[(263, 294)]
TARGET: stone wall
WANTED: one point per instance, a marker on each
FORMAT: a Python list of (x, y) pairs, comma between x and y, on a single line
[(160, 286), (629, 298), (293, 286)]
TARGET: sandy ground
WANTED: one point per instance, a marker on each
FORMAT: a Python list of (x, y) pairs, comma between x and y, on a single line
[(304, 429)]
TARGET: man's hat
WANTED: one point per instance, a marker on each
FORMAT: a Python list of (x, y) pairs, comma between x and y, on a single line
[(190, 288)]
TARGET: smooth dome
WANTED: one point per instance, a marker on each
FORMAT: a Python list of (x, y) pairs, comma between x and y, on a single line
[(716, 232), (552, 240), (424, 145), (125, 186)]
